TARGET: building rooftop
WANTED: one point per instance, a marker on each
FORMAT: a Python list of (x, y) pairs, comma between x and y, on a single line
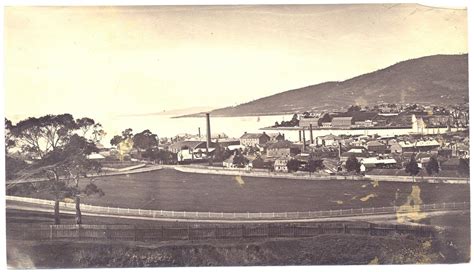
[(252, 135)]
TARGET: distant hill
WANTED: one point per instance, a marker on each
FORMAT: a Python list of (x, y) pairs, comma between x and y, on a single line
[(438, 79)]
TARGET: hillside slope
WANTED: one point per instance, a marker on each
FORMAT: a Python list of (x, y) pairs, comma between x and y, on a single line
[(439, 79)]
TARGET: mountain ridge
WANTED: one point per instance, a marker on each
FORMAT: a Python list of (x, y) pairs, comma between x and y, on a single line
[(437, 79)]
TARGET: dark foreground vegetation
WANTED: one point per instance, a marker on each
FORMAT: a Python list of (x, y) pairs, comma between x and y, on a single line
[(322, 250)]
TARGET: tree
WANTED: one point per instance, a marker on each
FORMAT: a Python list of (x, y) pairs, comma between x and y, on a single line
[(60, 155), (127, 134), (85, 124), (144, 140), (412, 167), (433, 166), (293, 165), (352, 164), (9, 139), (116, 140), (240, 160), (258, 163), (38, 136), (463, 167), (98, 133)]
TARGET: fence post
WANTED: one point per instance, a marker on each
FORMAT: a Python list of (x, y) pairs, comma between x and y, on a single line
[(51, 232), (154, 214), (139, 211)]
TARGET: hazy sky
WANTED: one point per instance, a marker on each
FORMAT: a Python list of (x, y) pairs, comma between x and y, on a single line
[(119, 60)]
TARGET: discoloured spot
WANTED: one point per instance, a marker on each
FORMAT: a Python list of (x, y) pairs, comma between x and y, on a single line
[(410, 211), (374, 261), (68, 200), (367, 197), (338, 202), (426, 244), (124, 147), (375, 183), (240, 181)]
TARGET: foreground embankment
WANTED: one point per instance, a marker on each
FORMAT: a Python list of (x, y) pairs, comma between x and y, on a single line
[(321, 250)]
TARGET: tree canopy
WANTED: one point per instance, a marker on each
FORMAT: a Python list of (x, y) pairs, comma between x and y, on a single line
[(412, 167), (58, 153), (433, 166), (352, 164)]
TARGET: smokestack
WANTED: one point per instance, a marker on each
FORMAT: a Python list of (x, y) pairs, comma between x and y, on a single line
[(304, 141), (199, 132), (208, 145), (311, 133)]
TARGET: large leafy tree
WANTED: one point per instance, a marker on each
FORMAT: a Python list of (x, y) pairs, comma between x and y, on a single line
[(433, 166), (239, 159), (314, 163), (352, 164), (463, 167), (293, 165), (60, 155), (39, 136), (145, 140), (412, 167)]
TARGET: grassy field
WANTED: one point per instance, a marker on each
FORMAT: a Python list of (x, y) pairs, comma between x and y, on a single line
[(172, 190)]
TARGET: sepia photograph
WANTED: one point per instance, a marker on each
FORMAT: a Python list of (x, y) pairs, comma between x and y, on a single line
[(236, 135)]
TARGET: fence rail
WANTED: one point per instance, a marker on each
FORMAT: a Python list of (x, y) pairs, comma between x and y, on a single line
[(135, 233), (248, 215)]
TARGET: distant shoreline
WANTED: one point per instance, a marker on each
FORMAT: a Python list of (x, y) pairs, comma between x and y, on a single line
[(202, 114)]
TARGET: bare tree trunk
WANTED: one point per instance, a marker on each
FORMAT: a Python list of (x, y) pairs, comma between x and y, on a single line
[(57, 219), (78, 210)]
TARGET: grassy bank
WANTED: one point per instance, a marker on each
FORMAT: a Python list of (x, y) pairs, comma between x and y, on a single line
[(322, 250)]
